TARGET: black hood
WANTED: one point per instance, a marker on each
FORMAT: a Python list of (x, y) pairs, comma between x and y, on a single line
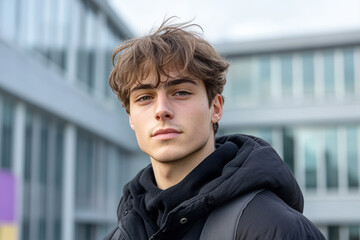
[(240, 164)]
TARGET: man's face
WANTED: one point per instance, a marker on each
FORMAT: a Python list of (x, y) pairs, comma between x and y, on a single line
[(173, 121)]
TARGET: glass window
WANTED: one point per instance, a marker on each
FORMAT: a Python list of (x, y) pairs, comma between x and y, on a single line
[(9, 12), (308, 74), (266, 134), (35, 26), (85, 170), (85, 231), (86, 47), (81, 49), (329, 75), (349, 71), (58, 31), (354, 233), (43, 151), (58, 181), (288, 147), (352, 157), (240, 76), (331, 157), (112, 40), (333, 233), (6, 133), (109, 46), (42, 208), (310, 159), (286, 75), (264, 78), (90, 231)]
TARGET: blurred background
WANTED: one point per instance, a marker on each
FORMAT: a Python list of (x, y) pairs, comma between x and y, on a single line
[(66, 149)]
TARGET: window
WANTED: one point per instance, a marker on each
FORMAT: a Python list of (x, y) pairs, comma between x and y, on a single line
[(59, 26), (331, 144), (288, 146), (310, 160), (85, 168), (6, 132), (111, 42), (286, 75), (308, 73), (42, 208), (354, 233), (334, 233), (35, 26), (264, 79), (329, 75), (349, 71), (352, 157), (9, 19), (241, 80), (86, 48)]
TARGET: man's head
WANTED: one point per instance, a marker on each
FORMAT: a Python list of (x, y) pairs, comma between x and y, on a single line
[(172, 48)]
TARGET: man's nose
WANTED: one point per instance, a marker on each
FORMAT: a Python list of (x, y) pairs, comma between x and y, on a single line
[(163, 109)]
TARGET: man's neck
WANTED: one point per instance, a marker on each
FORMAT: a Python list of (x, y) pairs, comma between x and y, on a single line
[(168, 174)]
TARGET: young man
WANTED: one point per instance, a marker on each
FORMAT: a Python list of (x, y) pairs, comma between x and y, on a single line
[(170, 83)]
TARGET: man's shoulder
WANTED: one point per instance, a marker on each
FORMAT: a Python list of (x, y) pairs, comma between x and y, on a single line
[(269, 217)]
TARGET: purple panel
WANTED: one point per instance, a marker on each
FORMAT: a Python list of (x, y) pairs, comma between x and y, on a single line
[(7, 197)]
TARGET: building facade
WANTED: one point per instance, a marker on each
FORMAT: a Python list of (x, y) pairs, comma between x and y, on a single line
[(302, 95), (66, 140), (63, 134)]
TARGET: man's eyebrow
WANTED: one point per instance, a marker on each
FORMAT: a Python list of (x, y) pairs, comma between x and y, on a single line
[(142, 86), (167, 84), (174, 82)]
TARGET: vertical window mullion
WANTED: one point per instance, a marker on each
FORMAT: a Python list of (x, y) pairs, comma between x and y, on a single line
[(18, 149), (68, 186), (344, 232)]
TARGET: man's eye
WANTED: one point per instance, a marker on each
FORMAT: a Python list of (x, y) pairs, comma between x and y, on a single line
[(144, 98), (182, 93)]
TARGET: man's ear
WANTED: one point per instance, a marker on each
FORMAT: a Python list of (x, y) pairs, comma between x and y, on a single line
[(130, 122), (217, 108)]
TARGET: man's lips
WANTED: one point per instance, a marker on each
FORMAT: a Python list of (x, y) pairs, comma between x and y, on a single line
[(165, 134)]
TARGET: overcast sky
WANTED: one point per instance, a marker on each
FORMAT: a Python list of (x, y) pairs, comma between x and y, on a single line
[(237, 20)]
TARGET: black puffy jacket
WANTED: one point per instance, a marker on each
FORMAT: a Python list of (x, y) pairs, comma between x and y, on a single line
[(240, 164)]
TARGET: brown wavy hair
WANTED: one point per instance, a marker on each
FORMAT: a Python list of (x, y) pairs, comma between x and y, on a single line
[(171, 47)]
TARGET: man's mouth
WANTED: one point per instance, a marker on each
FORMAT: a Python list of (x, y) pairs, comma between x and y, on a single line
[(166, 134)]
